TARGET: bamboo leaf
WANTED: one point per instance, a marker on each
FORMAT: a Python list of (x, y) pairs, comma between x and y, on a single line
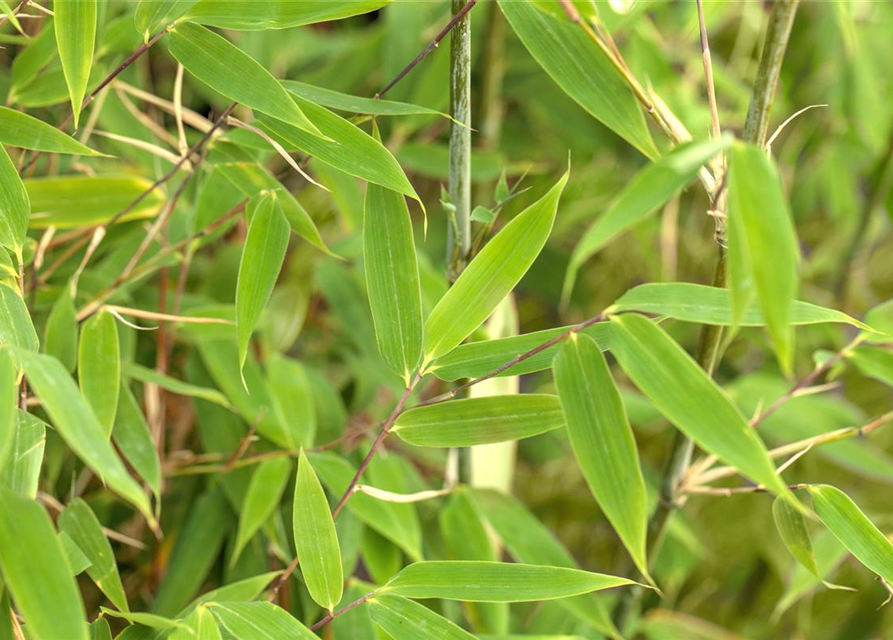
[(293, 400), (18, 129), (77, 561), (259, 621), (348, 148), (21, 471), (648, 190), (356, 104), (150, 620), (9, 391), (474, 421), (34, 566), (98, 197), (791, 525), (690, 399), (277, 14), (75, 38), (82, 525), (874, 362), (763, 251), (132, 437), (78, 426), (262, 258), (99, 367), (495, 582), (228, 70), (150, 15), (713, 305), (403, 619), (580, 68), (603, 441), (15, 208), (263, 496), (490, 277), (151, 376), (392, 279), (315, 538), (855, 531), (199, 625), (61, 340), (16, 329)]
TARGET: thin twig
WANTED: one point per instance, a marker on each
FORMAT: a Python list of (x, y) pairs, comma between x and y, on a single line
[(353, 605)]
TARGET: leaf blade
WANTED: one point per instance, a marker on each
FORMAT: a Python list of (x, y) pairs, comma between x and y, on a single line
[(75, 22)]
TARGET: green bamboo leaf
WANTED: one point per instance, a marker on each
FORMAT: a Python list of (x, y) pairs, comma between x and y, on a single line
[(315, 538), (221, 65), (763, 250), (11, 16), (98, 197), (61, 339), (691, 400), (603, 441), (9, 388), (495, 582), (403, 619), (15, 208), (150, 15), (100, 630), (77, 561), (277, 14), (21, 471), (490, 277), (829, 554), (874, 362), (713, 305), (151, 376), (263, 495), (82, 525), (356, 104), (581, 69), (647, 191), (29, 61), (133, 439), (18, 129), (16, 329), (262, 258), (150, 620), (241, 591), (99, 367), (336, 473), (392, 279), (34, 566), (77, 424), (855, 531), (791, 525), (259, 621), (293, 400), (474, 421), (75, 38), (348, 148), (199, 625)]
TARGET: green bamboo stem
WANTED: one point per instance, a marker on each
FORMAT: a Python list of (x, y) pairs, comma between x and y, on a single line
[(459, 234)]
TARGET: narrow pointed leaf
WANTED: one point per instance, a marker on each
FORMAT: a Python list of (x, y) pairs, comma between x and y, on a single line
[(403, 619), (15, 207), (132, 437), (490, 277), (78, 426), (315, 539), (33, 566), (18, 129), (392, 279), (277, 14), (763, 250), (262, 258), (356, 104), (61, 339), (151, 376), (474, 421), (99, 367), (76, 37), (580, 68), (648, 190), (293, 400), (348, 148), (690, 399), (791, 525), (228, 70), (603, 441), (263, 495), (150, 15), (9, 396), (259, 621), (495, 581), (16, 328), (713, 305), (79, 522), (151, 620), (856, 532)]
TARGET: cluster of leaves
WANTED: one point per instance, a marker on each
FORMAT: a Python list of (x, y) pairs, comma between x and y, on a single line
[(230, 432)]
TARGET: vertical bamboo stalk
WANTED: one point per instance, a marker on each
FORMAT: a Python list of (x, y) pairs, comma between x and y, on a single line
[(459, 236)]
